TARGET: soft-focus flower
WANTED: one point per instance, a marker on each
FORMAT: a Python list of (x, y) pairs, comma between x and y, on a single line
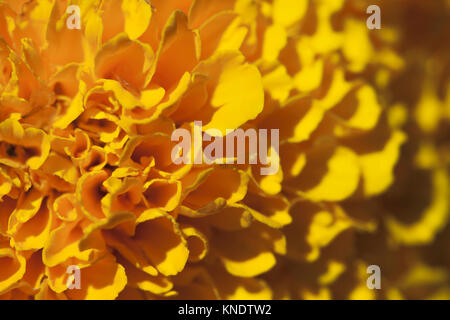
[(87, 179)]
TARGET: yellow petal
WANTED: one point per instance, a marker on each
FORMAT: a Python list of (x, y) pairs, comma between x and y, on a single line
[(163, 244), (433, 218), (377, 168), (137, 17), (104, 280), (333, 180), (236, 84), (288, 12), (13, 268)]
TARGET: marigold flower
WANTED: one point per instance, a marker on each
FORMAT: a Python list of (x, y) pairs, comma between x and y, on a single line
[(86, 171)]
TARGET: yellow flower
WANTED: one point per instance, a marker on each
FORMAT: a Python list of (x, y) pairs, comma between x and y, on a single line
[(86, 172)]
